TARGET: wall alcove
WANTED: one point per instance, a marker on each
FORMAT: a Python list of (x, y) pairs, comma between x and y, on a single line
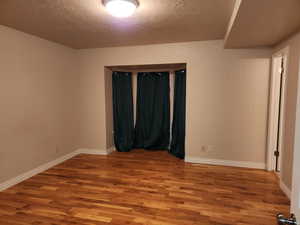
[(134, 69)]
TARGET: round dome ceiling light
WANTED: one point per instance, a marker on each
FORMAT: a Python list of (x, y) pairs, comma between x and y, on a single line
[(121, 8)]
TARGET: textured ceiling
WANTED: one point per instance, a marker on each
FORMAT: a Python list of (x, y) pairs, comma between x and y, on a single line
[(86, 24), (264, 23)]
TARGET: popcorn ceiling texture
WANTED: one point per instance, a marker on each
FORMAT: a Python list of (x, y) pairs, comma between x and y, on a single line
[(85, 23)]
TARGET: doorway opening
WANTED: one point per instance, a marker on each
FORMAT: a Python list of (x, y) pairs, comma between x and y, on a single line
[(276, 110)]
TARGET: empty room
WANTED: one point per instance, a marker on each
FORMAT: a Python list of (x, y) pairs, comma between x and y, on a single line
[(149, 112)]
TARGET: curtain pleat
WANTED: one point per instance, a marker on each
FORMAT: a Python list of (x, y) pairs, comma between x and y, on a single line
[(123, 111), (178, 126), (152, 129)]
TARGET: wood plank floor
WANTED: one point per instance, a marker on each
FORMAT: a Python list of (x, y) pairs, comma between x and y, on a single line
[(143, 188)]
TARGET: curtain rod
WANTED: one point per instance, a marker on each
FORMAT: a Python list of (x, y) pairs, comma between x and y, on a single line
[(150, 71)]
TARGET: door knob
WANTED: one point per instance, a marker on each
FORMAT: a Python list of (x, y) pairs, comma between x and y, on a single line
[(285, 221)]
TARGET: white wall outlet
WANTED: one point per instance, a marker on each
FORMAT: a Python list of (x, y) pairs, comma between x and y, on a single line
[(203, 148), (208, 148), (211, 148)]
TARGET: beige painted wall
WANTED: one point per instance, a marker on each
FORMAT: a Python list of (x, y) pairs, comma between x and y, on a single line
[(109, 109), (227, 95), (38, 102), (53, 98), (290, 104)]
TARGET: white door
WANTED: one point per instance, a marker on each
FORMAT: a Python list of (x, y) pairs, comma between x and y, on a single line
[(276, 109), (275, 115)]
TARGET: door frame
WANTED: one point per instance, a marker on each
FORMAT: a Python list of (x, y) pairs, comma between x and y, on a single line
[(271, 138)]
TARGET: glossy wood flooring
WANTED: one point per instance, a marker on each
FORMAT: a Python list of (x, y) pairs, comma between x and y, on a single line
[(143, 188)]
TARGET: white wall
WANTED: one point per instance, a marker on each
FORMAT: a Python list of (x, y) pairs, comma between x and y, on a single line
[(109, 109), (53, 98), (38, 102), (290, 103), (227, 95)]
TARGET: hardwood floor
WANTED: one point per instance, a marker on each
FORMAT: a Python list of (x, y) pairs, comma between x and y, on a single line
[(143, 188)]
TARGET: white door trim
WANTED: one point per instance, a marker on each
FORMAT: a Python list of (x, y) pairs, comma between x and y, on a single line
[(272, 109)]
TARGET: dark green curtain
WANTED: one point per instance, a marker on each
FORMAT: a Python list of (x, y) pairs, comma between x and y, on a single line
[(123, 111), (152, 129), (178, 125)]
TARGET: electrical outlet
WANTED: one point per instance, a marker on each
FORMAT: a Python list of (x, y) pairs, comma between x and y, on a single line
[(207, 148), (211, 148)]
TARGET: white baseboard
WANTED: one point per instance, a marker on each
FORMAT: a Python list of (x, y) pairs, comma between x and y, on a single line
[(35, 171), (221, 162), (13, 181), (111, 150), (285, 189), (92, 151)]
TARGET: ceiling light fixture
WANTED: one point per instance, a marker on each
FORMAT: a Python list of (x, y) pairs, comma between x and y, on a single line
[(121, 8)]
